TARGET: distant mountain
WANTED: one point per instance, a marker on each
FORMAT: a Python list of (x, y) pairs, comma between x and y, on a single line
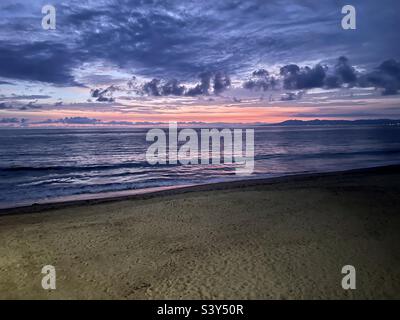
[(317, 122)]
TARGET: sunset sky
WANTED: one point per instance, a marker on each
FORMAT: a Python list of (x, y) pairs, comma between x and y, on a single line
[(116, 63)]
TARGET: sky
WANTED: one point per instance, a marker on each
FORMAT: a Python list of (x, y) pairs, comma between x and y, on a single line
[(123, 62)]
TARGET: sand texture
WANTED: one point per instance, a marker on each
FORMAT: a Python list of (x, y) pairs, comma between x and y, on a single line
[(281, 239)]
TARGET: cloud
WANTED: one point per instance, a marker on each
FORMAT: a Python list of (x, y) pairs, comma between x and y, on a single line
[(104, 95), (332, 81), (9, 120), (71, 120), (386, 76), (291, 77), (221, 82), (168, 40), (79, 120), (290, 96), (26, 97), (83, 121), (260, 80), (30, 105), (302, 78), (172, 87), (118, 123), (14, 122), (4, 106), (342, 74), (151, 87), (38, 61), (344, 71), (203, 87), (391, 67), (6, 82), (210, 83), (156, 87)]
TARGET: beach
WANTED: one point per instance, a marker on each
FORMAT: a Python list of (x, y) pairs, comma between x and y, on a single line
[(282, 238)]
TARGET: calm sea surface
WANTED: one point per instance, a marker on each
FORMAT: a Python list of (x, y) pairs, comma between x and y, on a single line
[(39, 165)]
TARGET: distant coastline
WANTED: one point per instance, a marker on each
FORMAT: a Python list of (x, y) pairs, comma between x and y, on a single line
[(198, 124), (318, 122)]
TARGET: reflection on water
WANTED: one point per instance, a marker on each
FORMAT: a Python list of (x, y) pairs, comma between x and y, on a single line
[(42, 164)]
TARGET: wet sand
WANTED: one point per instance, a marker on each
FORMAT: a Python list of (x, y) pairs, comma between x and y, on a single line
[(284, 238)]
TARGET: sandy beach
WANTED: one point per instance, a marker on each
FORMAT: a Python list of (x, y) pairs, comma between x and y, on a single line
[(284, 238)]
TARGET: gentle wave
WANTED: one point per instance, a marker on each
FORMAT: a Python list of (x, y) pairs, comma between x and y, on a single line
[(145, 164), (42, 165)]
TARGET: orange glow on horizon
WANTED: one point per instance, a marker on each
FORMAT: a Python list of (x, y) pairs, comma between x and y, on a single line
[(208, 114)]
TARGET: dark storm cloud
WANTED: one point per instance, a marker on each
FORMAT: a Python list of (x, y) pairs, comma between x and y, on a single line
[(156, 87), (392, 68), (39, 61), (204, 36), (342, 73), (386, 76), (260, 80), (177, 39), (221, 82), (332, 81), (151, 87), (172, 87), (295, 77), (291, 77), (210, 83), (203, 87), (345, 71)]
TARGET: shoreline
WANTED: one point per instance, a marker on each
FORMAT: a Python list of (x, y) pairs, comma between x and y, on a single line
[(283, 238), (150, 193)]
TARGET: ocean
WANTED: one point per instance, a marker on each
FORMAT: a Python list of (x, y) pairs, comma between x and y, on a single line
[(46, 165)]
